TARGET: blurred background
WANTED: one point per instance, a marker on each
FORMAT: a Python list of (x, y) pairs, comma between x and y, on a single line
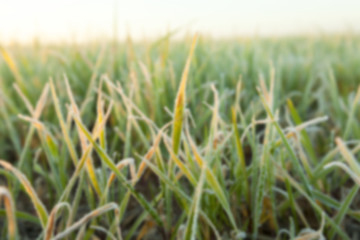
[(66, 20)]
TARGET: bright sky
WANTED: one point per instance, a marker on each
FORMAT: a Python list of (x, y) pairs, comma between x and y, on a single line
[(79, 20)]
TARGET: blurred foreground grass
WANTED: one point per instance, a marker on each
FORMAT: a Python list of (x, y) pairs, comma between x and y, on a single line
[(264, 142)]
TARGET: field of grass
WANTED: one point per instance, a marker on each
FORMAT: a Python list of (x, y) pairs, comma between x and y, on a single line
[(253, 138)]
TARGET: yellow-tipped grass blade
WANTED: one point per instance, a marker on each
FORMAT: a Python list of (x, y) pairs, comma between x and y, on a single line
[(180, 101), (52, 218), (13, 68), (39, 206), (89, 163), (10, 212)]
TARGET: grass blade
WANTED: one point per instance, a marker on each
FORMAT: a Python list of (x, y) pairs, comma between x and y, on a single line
[(180, 101), (52, 218), (10, 212), (191, 227), (82, 222), (64, 128), (39, 206)]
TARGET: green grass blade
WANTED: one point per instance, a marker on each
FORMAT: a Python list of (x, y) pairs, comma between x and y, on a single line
[(191, 227)]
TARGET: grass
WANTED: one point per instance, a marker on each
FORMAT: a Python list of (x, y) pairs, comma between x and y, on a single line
[(195, 139)]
